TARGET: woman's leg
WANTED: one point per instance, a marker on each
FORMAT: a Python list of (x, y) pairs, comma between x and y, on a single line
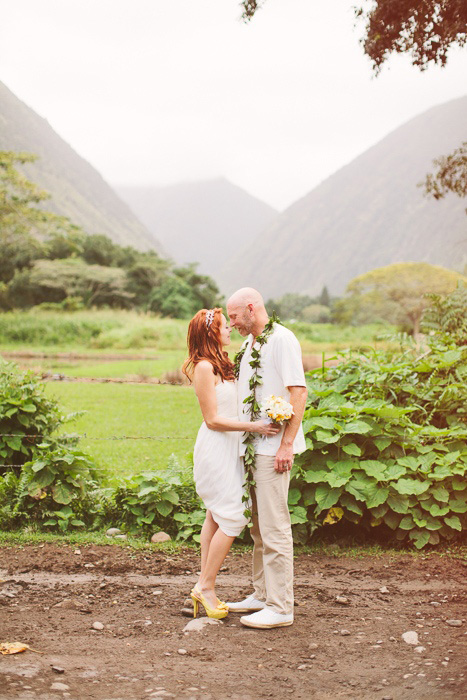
[(218, 549), (207, 533)]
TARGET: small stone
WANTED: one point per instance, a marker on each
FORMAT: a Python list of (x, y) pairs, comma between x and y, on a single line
[(182, 652), (58, 669), (97, 626), (384, 589), (342, 600), (199, 623), (392, 639), (312, 645), (112, 531), (420, 650), (160, 537), (77, 551), (187, 612), (59, 686), (89, 566), (386, 697), (410, 638), (454, 623), (312, 656), (160, 593), (435, 602), (121, 537), (407, 675), (345, 633)]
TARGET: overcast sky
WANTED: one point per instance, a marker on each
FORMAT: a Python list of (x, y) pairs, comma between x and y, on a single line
[(163, 91)]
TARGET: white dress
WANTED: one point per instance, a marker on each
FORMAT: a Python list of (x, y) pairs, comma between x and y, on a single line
[(218, 470)]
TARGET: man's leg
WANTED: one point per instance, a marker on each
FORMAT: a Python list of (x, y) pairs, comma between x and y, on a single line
[(258, 567), (276, 534)]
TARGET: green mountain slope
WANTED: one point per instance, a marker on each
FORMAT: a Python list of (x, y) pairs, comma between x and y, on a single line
[(368, 214), (200, 221), (77, 189)]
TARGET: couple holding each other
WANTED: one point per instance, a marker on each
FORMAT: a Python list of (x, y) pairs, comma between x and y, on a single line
[(219, 450)]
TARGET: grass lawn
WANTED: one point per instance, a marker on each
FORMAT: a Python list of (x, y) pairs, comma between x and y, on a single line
[(115, 410)]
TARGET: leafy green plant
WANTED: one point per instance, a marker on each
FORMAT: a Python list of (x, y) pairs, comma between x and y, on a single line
[(156, 500), (387, 445), (447, 316), (25, 413)]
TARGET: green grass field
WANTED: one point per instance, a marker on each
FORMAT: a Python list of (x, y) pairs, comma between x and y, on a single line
[(131, 345), (136, 410)]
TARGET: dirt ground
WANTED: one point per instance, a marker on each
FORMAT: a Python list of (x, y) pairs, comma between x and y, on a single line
[(51, 596)]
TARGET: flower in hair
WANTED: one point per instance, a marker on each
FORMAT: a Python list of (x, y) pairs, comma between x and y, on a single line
[(209, 317)]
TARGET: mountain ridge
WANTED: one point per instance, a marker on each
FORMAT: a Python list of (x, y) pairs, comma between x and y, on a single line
[(77, 189), (368, 214), (199, 221)]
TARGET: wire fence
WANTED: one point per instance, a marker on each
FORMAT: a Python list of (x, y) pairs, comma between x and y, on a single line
[(85, 436)]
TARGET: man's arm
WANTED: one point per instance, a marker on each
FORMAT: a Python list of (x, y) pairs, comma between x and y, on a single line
[(284, 456)]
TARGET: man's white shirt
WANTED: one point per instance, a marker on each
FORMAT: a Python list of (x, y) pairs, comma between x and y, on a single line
[(281, 366)]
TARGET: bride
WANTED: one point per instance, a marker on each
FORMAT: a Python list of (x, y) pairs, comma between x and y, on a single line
[(218, 470)]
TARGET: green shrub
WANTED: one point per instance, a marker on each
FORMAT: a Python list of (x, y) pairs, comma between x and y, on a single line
[(51, 329), (160, 500), (25, 413), (44, 479), (386, 445)]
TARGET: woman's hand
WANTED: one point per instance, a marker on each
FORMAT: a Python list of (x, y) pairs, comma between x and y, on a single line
[(265, 428)]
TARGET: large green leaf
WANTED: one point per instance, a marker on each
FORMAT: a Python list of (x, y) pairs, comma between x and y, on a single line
[(172, 497), (411, 486), (442, 471), (325, 422), (326, 496), (374, 468), (349, 502), (382, 443), (440, 493), (435, 509), (458, 505), (394, 471), (379, 498), (409, 462), (362, 487), (420, 538), (43, 478), (61, 493), (398, 502), (334, 479), (392, 519), (326, 436), (407, 523), (298, 515), (454, 522), (352, 449), (164, 508), (356, 427), (317, 477), (294, 496)]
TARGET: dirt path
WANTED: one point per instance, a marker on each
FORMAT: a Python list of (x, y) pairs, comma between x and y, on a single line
[(51, 596)]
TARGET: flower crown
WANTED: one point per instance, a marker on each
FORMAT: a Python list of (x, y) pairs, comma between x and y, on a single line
[(209, 317)]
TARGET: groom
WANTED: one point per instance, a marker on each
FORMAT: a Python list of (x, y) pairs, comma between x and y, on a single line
[(281, 371)]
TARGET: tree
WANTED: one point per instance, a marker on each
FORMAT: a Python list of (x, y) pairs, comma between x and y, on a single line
[(324, 299), (289, 306), (397, 293), (426, 29), (450, 176)]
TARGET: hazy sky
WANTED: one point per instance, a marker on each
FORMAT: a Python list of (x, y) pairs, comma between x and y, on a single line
[(163, 91)]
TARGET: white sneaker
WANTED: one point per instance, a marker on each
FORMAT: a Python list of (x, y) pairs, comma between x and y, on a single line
[(250, 604), (267, 619)]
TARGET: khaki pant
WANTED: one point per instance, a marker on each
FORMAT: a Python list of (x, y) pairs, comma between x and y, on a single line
[(272, 537)]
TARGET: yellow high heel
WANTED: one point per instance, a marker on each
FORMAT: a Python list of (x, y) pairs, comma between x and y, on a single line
[(220, 611)]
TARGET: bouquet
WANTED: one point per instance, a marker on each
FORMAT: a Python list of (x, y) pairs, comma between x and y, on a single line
[(277, 409)]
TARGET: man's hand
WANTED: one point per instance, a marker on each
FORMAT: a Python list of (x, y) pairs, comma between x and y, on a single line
[(284, 458)]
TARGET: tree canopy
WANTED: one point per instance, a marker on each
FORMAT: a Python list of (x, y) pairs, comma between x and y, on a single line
[(450, 175), (396, 293), (424, 29)]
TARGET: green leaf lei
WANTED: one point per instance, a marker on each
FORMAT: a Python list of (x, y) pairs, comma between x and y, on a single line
[(254, 407)]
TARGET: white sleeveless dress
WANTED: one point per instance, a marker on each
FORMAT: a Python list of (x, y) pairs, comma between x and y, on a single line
[(218, 470)]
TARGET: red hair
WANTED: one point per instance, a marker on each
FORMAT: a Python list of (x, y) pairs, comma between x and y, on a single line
[(204, 343)]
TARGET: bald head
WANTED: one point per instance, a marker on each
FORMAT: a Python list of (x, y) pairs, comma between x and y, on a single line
[(247, 312), (245, 296)]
